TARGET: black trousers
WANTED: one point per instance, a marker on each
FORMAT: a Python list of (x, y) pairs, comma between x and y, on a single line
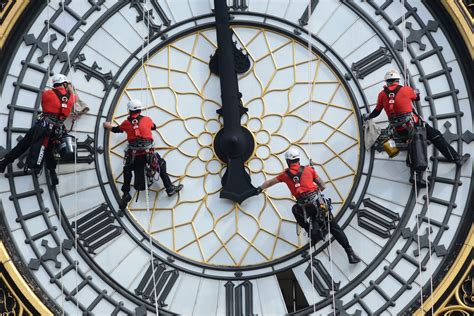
[(437, 139), (318, 228), (33, 140), (136, 166)]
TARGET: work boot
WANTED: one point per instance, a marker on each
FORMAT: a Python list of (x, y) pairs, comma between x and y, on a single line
[(125, 199), (4, 162), (460, 161), (351, 256), (173, 189)]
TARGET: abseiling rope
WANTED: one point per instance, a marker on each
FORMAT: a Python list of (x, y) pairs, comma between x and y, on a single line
[(310, 86), (418, 218), (311, 79), (48, 32), (146, 41), (73, 127)]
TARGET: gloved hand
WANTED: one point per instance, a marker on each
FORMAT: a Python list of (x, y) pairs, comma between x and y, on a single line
[(258, 190), (365, 117)]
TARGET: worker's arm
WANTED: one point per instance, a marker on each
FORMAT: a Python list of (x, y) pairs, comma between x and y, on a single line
[(321, 184), (114, 129), (269, 183)]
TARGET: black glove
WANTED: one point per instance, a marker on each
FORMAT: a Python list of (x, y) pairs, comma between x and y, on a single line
[(365, 117), (258, 190)]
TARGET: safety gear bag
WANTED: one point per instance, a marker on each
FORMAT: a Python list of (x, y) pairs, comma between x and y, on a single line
[(417, 150)]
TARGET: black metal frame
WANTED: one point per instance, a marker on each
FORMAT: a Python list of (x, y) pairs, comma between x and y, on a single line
[(34, 9)]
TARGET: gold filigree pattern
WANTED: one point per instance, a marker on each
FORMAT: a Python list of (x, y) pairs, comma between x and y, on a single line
[(10, 12), (8, 303), (294, 98)]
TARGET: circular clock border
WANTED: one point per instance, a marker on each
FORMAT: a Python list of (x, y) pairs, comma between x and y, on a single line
[(343, 77)]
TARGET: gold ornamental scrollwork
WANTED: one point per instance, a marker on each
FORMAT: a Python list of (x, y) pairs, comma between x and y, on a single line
[(294, 98), (467, 291), (10, 11), (16, 296), (8, 303)]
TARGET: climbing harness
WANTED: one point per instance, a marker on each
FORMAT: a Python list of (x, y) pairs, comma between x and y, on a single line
[(146, 41), (391, 96)]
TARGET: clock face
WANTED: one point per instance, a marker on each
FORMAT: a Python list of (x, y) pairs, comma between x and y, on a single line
[(313, 70), (294, 99)]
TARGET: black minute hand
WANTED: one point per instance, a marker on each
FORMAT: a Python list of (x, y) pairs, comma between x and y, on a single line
[(234, 143)]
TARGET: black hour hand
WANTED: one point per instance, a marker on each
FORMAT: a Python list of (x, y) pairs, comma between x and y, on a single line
[(236, 182), (233, 144)]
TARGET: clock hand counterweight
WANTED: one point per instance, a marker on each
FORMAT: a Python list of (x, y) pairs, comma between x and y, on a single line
[(233, 144)]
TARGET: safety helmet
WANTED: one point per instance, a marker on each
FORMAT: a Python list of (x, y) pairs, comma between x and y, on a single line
[(134, 105), (292, 154), (392, 75), (59, 78)]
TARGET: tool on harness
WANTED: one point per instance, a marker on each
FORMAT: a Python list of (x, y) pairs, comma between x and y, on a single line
[(322, 205), (152, 167), (402, 123), (144, 147)]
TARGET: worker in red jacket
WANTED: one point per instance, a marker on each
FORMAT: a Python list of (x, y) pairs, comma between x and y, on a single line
[(397, 102), (57, 104), (305, 185), (140, 151)]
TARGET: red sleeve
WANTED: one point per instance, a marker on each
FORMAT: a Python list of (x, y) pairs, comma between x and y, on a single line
[(150, 122), (281, 177), (44, 96), (315, 174), (413, 95), (122, 126), (379, 105)]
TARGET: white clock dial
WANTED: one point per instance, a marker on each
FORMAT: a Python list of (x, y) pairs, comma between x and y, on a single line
[(294, 99), (208, 255)]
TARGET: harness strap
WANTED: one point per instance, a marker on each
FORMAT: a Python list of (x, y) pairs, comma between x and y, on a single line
[(135, 123), (295, 177), (391, 94), (64, 99)]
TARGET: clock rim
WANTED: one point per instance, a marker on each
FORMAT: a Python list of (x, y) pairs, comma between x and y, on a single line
[(7, 62), (252, 24)]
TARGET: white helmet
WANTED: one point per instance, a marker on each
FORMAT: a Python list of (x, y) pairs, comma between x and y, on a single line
[(392, 75), (292, 154), (134, 105), (59, 78)]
